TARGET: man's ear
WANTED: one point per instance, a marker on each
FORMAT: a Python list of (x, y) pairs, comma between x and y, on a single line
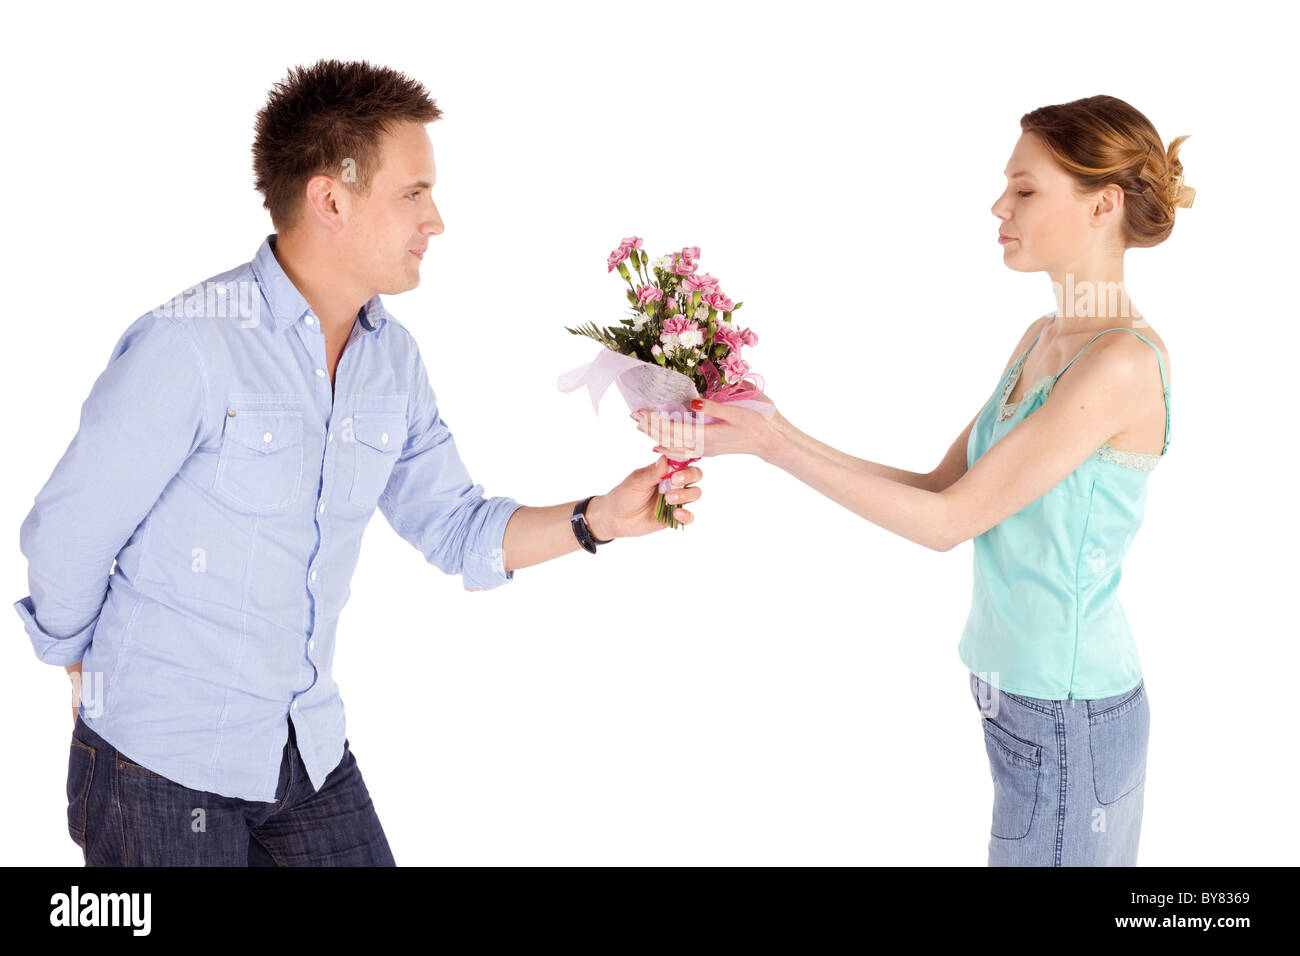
[(324, 202)]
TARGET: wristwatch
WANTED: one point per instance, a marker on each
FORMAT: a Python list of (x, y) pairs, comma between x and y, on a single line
[(581, 530)]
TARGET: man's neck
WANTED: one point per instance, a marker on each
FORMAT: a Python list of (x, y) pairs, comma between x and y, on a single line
[(336, 307)]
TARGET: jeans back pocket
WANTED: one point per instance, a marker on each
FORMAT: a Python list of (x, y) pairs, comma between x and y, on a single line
[(1015, 765), (81, 771), (1118, 728)]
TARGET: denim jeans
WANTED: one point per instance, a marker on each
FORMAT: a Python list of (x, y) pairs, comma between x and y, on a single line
[(1068, 776), (122, 814)]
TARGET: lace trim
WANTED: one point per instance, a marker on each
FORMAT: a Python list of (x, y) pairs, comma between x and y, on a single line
[(1005, 411), (1129, 459)]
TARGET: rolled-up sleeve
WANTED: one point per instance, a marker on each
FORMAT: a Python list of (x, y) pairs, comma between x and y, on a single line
[(142, 419), (432, 503)]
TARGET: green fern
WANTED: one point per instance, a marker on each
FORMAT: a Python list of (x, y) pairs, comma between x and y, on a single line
[(591, 331)]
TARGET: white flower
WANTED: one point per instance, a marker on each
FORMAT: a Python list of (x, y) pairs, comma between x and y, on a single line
[(690, 362), (670, 343), (702, 312), (638, 321), (691, 339), (664, 262)]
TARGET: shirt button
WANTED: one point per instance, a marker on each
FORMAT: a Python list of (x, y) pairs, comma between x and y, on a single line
[(320, 372), (330, 437), (310, 318), (266, 437), (384, 438), (311, 645), (313, 575), (295, 705), (320, 507)]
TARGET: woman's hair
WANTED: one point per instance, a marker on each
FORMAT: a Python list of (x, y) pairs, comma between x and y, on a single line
[(328, 118), (1101, 140)]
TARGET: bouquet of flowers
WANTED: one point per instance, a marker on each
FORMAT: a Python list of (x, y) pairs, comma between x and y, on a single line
[(676, 343)]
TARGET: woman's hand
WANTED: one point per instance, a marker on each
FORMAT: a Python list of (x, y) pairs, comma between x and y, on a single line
[(738, 431)]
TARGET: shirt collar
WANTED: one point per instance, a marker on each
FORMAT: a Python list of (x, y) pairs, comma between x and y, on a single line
[(288, 304)]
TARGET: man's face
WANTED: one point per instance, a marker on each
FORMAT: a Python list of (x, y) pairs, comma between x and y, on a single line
[(387, 231)]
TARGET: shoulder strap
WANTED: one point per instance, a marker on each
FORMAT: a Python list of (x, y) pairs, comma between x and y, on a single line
[(1159, 359)]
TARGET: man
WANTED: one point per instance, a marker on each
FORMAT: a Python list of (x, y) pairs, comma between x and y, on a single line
[(229, 458)]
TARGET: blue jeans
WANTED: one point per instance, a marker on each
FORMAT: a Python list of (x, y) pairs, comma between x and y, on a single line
[(1068, 777), (122, 814)]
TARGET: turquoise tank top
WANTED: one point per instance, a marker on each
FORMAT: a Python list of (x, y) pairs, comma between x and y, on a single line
[(1045, 620)]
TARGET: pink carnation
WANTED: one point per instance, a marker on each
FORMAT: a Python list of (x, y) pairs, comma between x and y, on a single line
[(703, 282), (716, 300), (735, 368), (648, 293), (750, 337), (682, 267), (677, 325), (690, 253), (729, 337), (617, 256), (632, 242)]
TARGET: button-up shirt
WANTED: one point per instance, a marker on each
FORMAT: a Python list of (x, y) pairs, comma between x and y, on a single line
[(231, 482)]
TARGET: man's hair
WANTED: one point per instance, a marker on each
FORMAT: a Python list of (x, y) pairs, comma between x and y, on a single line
[(327, 119)]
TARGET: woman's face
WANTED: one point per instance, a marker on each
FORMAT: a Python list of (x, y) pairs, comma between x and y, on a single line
[(1050, 228)]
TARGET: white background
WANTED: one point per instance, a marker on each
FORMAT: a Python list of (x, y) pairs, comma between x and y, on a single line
[(779, 683)]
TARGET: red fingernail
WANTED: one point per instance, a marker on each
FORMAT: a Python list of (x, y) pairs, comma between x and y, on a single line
[(697, 404)]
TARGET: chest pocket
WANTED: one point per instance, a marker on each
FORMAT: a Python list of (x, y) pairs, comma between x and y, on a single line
[(379, 437), (260, 467)]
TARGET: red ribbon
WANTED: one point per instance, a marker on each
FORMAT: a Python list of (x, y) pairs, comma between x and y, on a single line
[(675, 466)]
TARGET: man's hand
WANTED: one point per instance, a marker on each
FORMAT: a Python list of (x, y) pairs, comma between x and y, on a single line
[(629, 509), (74, 674)]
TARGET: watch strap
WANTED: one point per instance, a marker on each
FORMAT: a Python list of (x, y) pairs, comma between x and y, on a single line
[(581, 530)]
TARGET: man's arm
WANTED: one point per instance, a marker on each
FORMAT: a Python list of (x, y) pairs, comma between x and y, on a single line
[(432, 503), (142, 419), (535, 535)]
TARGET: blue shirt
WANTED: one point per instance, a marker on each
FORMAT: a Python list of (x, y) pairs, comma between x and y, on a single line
[(231, 484)]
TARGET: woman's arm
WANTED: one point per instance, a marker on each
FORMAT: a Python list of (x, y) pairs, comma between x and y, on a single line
[(943, 476), (1085, 409), (861, 465)]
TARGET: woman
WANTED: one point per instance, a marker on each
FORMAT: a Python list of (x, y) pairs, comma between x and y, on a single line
[(1049, 479)]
